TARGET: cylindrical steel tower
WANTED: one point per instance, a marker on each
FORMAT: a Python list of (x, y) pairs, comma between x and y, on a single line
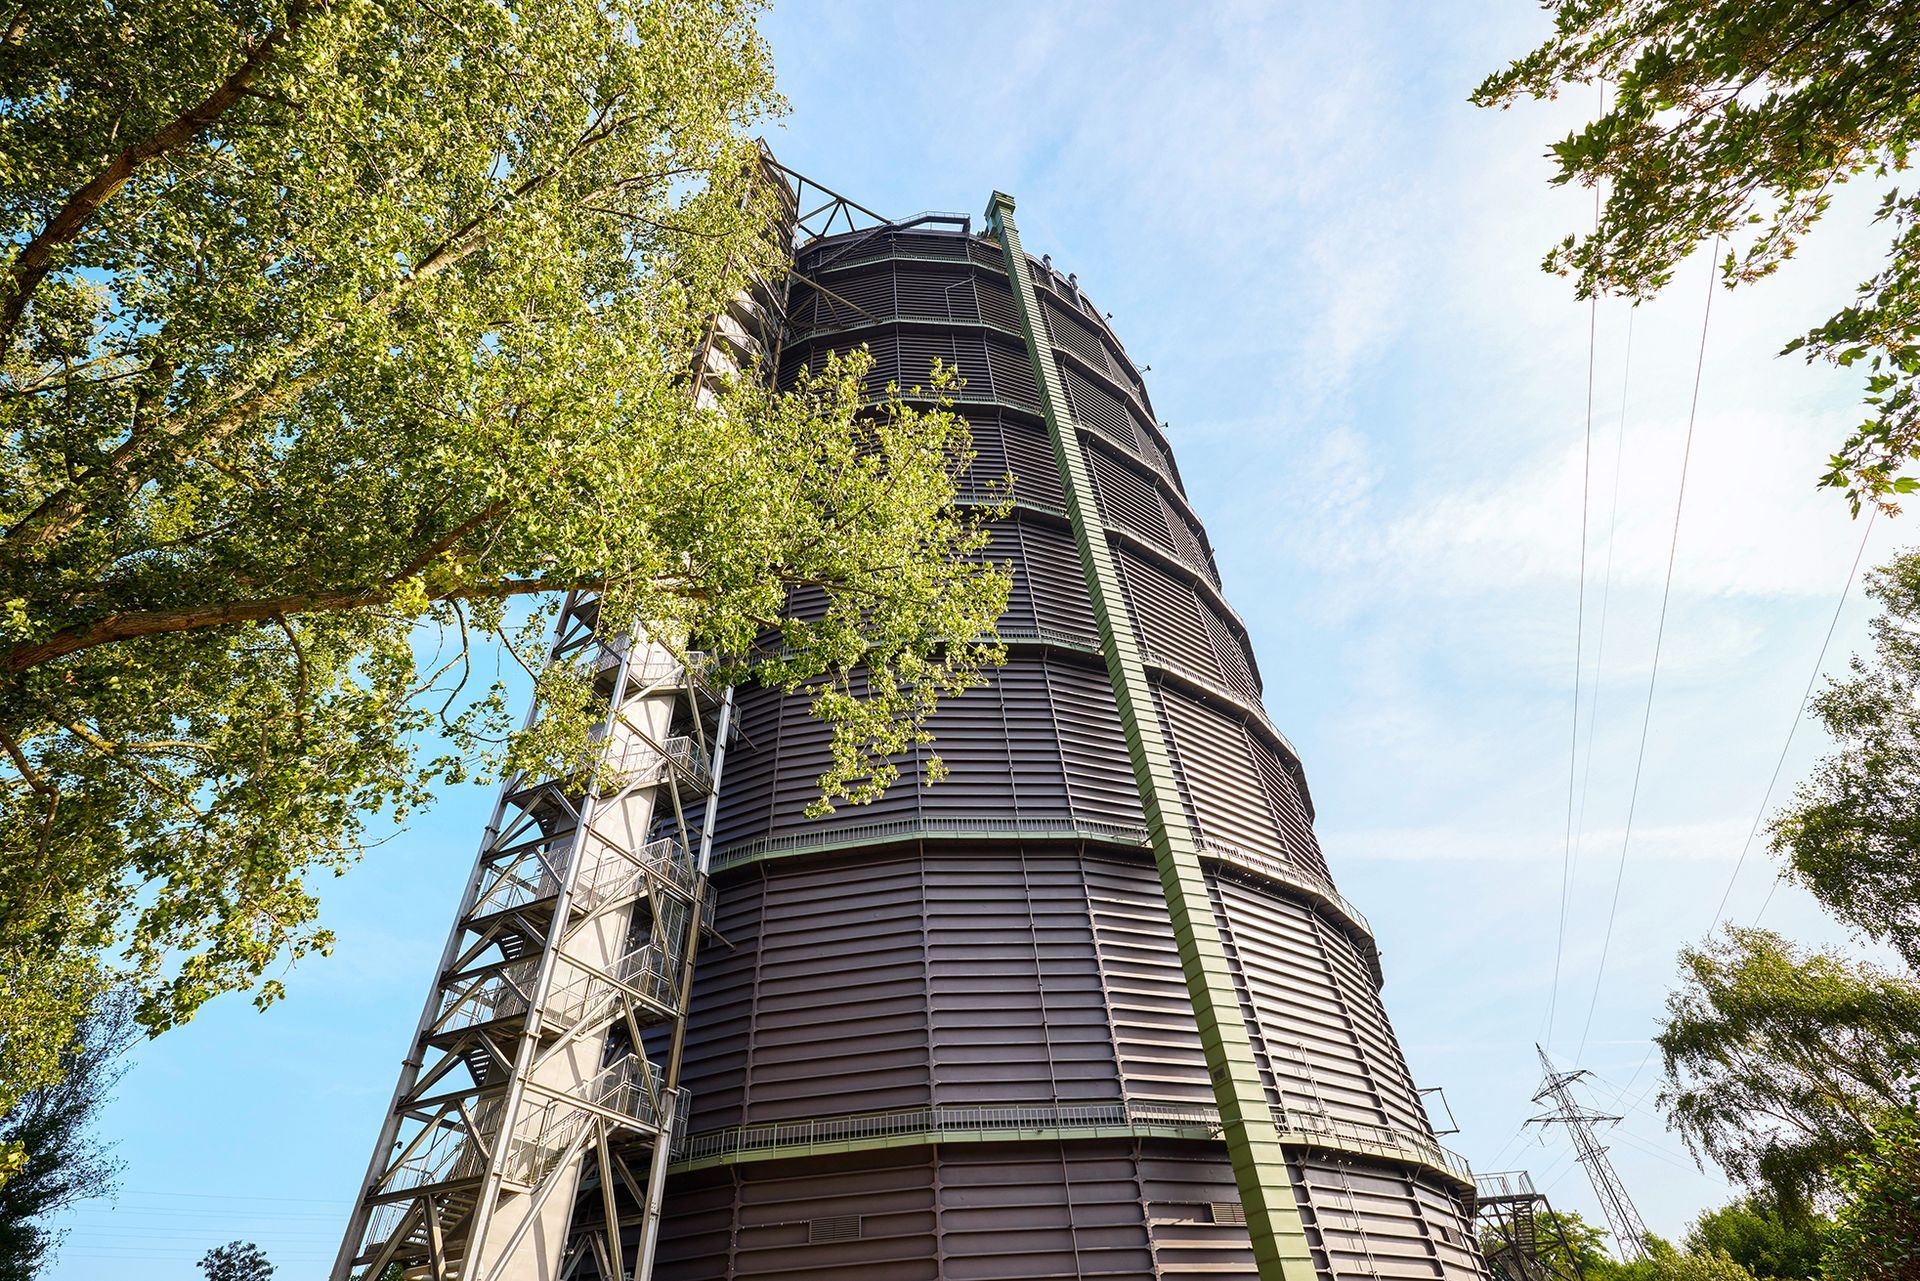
[(1090, 1006)]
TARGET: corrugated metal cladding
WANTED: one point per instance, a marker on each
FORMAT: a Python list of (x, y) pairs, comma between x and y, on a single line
[(1000, 940)]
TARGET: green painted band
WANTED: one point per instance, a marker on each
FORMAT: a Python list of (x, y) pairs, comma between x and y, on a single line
[(1253, 1143), (1289, 1140)]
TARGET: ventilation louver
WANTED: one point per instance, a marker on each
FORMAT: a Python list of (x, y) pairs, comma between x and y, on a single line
[(838, 1227)]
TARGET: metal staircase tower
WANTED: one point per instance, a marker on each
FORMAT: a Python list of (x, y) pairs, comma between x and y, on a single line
[(1519, 1233), (1629, 1230), (529, 1135), (553, 1027)]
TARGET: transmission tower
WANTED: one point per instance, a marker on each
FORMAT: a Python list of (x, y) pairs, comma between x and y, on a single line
[(1629, 1231)]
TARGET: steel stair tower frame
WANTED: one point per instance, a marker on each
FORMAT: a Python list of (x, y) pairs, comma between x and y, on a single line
[(547, 1057), (572, 942), (1515, 1221)]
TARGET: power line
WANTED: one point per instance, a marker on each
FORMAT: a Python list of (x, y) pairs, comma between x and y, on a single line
[(177, 1214), (1579, 635), (1606, 584), (1659, 636), (239, 1196), (1653, 1150), (1819, 663), (1500, 1155), (1771, 889), (1558, 1169), (1766, 902), (1798, 714)]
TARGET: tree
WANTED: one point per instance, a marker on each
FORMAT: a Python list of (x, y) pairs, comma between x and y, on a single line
[(1737, 120), (1779, 1063), (1852, 833), (1876, 1235), (1761, 1237), (335, 330), (236, 1261), (1689, 1265), (62, 1159), (1663, 1262), (1566, 1242)]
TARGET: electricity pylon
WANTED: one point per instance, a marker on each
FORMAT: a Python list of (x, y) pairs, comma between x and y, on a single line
[(1629, 1230)]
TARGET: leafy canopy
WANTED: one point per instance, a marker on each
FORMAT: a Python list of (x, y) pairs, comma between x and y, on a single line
[(1665, 1263), (52, 1129), (1761, 1237), (1852, 833), (236, 1261), (1739, 119), (1876, 1235), (1689, 1265), (1780, 1063), (1563, 1240), (328, 329)]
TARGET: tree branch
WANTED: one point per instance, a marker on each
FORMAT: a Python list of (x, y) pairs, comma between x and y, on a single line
[(453, 536), (27, 772), (112, 752), (60, 512), (35, 259), (300, 667), (198, 618)]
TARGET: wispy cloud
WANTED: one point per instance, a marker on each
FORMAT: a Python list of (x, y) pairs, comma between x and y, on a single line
[(1717, 841)]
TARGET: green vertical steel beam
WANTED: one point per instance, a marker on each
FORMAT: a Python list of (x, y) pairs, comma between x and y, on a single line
[(1253, 1141)]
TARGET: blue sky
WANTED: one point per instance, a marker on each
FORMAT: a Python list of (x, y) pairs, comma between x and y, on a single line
[(1330, 261)]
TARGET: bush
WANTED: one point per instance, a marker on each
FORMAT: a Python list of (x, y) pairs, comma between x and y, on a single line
[(1761, 1237), (1876, 1235)]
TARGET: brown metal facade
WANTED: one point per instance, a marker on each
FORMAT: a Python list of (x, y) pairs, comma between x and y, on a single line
[(947, 1034)]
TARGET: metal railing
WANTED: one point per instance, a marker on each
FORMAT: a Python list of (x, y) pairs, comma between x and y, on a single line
[(869, 833), (1278, 869), (1314, 1128), (629, 1087), (681, 1101), (1115, 522), (647, 970), (617, 873), (1050, 636), (938, 1120), (1504, 1185), (496, 994), (655, 664), (524, 874), (637, 761), (1244, 699), (450, 1152), (660, 667), (1363, 1136), (966, 495)]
